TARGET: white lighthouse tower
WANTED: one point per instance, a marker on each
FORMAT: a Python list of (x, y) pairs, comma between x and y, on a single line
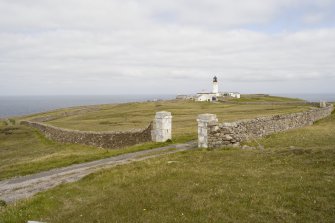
[(215, 86)]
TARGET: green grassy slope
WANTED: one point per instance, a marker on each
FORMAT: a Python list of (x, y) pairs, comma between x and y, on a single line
[(138, 115), (292, 180), (24, 150), (305, 137), (265, 98)]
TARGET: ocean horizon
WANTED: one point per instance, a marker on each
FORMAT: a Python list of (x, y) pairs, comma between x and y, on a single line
[(25, 105), (328, 97)]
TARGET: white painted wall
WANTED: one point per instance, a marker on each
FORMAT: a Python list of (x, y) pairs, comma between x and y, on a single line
[(204, 97), (215, 88), (234, 94)]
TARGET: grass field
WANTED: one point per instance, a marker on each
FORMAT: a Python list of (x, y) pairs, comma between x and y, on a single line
[(291, 180), (266, 98), (138, 115), (24, 150)]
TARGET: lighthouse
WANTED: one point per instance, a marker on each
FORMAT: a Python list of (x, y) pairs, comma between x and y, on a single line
[(214, 95), (215, 86)]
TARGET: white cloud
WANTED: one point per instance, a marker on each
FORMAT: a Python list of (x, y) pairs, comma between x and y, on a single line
[(78, 46)]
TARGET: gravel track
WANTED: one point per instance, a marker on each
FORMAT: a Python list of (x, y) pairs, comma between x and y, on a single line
[(26, 186)]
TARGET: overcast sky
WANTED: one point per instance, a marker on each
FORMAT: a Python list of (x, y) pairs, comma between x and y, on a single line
[(166, 47)]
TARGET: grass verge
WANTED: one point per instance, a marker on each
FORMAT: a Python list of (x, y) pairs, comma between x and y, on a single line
[(24, 150)]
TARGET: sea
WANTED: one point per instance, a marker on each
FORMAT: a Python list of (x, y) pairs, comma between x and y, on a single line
[(24, 105), (329, 97)]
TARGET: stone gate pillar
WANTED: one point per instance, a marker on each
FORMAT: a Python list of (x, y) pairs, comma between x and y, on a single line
[(162, 127), (203, 121), (323, 104)]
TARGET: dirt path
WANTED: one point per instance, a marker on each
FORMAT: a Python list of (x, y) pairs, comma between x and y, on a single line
[(23, 187)]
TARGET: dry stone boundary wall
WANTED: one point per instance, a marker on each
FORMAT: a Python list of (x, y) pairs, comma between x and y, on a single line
[(108, 140), (213, 134), (272, 103)]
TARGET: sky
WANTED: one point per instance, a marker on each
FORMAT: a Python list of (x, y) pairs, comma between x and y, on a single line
[(107, 47)]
